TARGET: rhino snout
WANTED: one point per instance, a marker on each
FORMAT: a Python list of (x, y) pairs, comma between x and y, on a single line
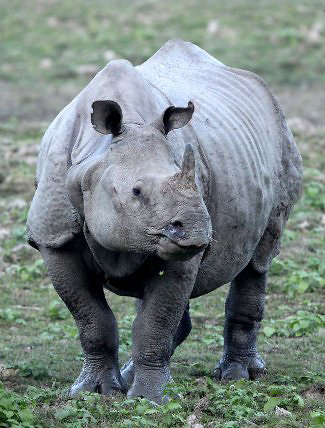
[(179, 242), (175, 230)]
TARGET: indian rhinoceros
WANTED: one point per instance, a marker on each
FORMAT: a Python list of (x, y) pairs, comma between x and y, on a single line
[(163, 182)]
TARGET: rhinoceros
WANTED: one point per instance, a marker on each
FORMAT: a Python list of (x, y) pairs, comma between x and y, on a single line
[(163, 182)]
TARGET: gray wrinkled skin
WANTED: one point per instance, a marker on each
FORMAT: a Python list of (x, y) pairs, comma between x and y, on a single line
[(128, 188)]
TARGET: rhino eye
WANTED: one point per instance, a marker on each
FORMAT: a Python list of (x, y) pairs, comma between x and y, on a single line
[(136, 191)]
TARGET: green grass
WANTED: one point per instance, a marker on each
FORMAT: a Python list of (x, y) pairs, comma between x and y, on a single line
[(42, 44), (45, 46), (79, 32)]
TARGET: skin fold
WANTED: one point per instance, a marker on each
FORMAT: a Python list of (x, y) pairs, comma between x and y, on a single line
[(163, 182)]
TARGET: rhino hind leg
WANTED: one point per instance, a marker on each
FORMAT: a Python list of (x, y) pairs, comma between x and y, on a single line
[(184, 329), (84, 297), (244, 313)]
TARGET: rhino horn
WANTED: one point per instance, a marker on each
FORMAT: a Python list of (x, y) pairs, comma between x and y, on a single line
[(107, 117), (188, 165), (174, 118)]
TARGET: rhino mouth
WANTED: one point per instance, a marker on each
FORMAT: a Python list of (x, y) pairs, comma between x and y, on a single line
[(169, 249)]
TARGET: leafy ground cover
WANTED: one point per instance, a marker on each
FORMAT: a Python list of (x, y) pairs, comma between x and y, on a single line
[(49, 50)]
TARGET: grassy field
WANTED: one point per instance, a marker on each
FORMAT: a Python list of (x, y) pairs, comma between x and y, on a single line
[(49, 50)]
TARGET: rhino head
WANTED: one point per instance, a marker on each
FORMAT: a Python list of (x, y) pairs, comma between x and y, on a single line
[(135, 197)]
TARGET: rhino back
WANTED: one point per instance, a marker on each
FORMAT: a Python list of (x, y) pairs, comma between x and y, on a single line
[(240, 132), (235, 130)]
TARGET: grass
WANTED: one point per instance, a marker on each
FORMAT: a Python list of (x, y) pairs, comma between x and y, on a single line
[(72, 33), (42, 50), (50, 49)]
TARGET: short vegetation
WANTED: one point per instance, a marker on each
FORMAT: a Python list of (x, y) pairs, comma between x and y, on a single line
[(49, 50)]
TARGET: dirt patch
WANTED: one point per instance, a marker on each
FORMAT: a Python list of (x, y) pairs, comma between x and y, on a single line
[(315, 392), (304, 106)]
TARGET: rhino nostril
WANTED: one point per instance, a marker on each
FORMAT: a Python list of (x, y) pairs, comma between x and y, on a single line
[(175, 229), (177, 224)]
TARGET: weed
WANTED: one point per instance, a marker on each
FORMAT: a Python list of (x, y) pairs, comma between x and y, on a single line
[(33, 369), (59, 331), (41, 50), (302, 281), (315, 195), (56, 311), (12, 315), (298, 280), (125, 333), (15, 411), (213, 336), (28, 273), (318, 418), (300, 324)]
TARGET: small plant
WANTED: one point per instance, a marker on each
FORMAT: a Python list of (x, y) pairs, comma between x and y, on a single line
[(318, 418), (280, 267), (314, 195), (316, 264), (234, 403), (125, 327), (142, 410), (298, 281), (14, 411), (304, 322), (284, 396), (28, 273), (33, 369), (301, 281), (212, 336), (19, 233), (300, 324), (12, 315), (59, 331), (88, 408), (57, 311)]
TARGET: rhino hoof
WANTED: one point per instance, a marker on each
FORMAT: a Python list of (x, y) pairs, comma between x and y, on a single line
[(256, 367), (234, 370), (103, 383)]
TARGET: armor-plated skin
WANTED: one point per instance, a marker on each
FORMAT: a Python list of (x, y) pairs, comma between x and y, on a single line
[(201, 196)]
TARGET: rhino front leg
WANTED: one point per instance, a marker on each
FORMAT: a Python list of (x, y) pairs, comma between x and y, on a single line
[(156, 325), (183, 330), (84, 297), (244, 313)]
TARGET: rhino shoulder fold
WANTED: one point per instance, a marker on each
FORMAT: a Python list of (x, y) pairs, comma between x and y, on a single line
[(52, 220)]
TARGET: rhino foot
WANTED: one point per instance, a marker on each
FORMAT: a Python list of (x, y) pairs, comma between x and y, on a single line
[(234, 370), (140, 389), (104, 382), (151, 384)]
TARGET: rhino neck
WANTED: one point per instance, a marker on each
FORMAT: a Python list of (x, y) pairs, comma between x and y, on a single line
[(114, 264)]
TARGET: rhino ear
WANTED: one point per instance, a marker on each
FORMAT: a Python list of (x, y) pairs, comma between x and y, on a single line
[(107, 117), (174, 118)]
